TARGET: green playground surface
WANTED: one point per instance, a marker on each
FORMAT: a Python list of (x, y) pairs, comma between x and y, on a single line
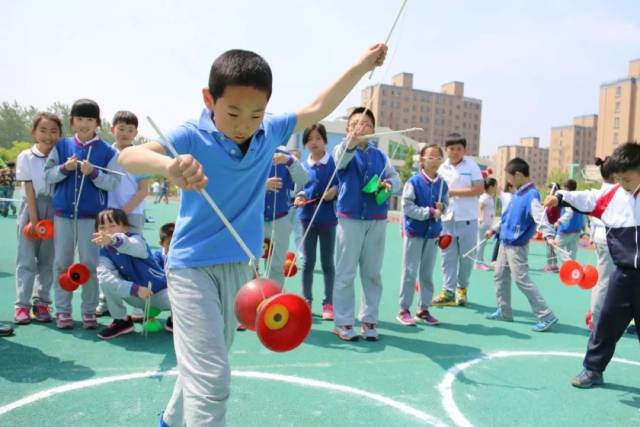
[(466, 371)]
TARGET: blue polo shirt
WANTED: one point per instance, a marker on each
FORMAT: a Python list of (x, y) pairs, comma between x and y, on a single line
[(237, 183)]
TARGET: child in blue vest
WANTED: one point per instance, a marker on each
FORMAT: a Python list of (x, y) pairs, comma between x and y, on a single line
[(362, 225), (125, 270), (70, 168), (424, 199), (569, 228), (517, 226), (286, 173), (34, 263), (228, 152), (320, 167), (166, 234)]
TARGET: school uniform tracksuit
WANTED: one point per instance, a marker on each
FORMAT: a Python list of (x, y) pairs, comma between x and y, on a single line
[(619, 211), (517, 227), (34, 263), (421, 231), (571, 224), (126, 266), (93, 199), (361, 231), (323, 228), (277, 221)]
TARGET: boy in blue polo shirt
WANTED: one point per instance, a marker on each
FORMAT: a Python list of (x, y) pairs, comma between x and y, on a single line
[(362, 225), (569, 227), (517, 226), (228, 152)]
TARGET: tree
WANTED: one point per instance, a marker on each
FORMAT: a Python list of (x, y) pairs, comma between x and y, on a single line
[(407, 169), (13, 124), (11, 154)]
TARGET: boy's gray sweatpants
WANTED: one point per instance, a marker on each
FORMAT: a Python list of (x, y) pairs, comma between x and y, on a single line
[(34, 263), (65, 256), (419, 255), (359, 243), (456, 269), (279, 245), (204, 322), (606, 267), (513, 260)]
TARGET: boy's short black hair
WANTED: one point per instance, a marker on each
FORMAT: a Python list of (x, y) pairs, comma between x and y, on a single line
[(455, 139), (117, 215), (570, 185), (517, 165), (361, 110), (626, 158), (86, 108), (126, 117), (307, 133), (166, 231), (490, 182), (238, 67)]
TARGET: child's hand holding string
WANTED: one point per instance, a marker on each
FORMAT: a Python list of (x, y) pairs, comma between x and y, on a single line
[(86, 168), (144, 293), (71, 163), (187, 173), (101, 238)]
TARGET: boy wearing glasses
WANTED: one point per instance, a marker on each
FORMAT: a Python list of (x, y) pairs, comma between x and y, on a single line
[(362, 222)]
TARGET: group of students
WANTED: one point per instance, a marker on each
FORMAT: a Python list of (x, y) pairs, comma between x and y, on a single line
[(97, 210), (232, 152)]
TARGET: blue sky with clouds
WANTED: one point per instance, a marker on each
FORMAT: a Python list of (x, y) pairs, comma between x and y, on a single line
[(534, 64)]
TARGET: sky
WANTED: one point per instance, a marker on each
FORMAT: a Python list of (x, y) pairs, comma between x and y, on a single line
[(534, 64)]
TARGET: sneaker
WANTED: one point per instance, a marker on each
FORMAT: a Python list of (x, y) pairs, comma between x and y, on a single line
[(240, 328), (345, 333), (405, 318), (137, 318), (116, 328), (632, 329), (444, 298), (89, 321), (22, 316), (497, 315), (41, 313), (102, 310), (327, 311), (461, 296), (543, 325), (587, 379), (168, 326), (64, 321), (481, 267), (551, 269), (369, 332), (426, 317), (5, 330)]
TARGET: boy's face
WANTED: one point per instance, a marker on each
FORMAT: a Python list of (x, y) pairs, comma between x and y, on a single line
[(124, 134), (455, 153), (629, 180), (238, 112), (364, 128), (516, 180), (85, 127)]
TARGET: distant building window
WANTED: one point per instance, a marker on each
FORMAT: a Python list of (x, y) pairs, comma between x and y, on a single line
[(619, 91), (615, 138), (617, 110), (616, 123)]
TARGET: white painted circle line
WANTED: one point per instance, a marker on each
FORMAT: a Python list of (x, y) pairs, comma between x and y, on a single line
[(305, 382), (446, 385)]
